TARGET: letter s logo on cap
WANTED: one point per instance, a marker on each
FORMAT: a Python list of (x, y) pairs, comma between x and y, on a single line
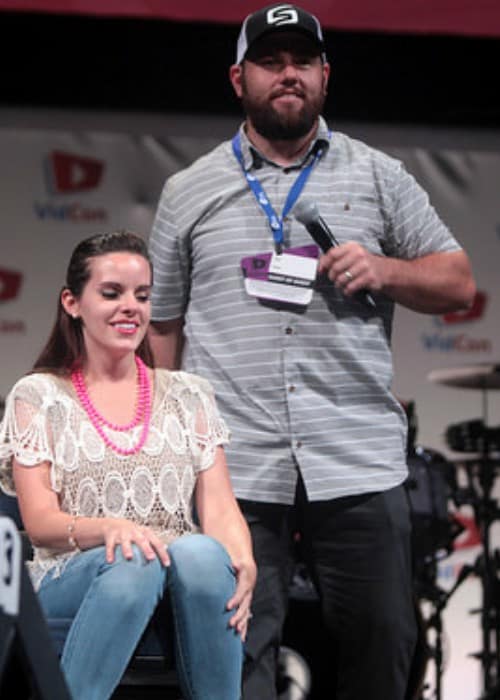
[(283, 14)]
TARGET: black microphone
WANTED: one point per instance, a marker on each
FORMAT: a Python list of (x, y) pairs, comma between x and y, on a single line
[(308, 214)]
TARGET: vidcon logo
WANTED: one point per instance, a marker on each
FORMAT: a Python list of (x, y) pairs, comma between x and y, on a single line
[(67, 174), (10, 284), (475, 312), (444, 340)]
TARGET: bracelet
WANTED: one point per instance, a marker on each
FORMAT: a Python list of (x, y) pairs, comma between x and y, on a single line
[(71, 534)]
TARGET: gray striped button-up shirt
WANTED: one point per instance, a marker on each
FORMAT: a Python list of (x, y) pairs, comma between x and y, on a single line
[(304, 389)]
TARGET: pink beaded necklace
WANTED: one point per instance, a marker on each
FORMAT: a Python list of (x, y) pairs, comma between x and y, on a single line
[(143, 412)]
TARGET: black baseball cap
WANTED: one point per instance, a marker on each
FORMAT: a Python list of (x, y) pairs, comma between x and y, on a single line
[(278, 18)]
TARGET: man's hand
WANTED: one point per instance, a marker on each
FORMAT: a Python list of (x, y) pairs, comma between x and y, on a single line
[(351, 268)]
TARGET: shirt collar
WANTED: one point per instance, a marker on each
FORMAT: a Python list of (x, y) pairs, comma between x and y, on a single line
[(253, 159)]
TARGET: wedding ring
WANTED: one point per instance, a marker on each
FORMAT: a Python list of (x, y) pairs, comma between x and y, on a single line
[(348, 275)]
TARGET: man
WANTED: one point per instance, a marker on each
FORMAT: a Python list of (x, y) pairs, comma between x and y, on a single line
[(300, 357)]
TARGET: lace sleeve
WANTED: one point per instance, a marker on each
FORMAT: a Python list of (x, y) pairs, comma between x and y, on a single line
[(210, 429), (24, 431)]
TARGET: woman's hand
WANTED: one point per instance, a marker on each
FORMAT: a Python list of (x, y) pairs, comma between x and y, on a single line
[(122, 532), (221, 518), (246, 576)]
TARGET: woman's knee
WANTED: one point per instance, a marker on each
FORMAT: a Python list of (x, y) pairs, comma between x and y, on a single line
[(129, 580), (198, 548), (201, 562)]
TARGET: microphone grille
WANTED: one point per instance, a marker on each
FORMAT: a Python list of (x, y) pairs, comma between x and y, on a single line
[(306, 211)]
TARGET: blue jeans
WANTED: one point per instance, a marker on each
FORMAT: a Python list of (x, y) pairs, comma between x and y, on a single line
[(111, 605)]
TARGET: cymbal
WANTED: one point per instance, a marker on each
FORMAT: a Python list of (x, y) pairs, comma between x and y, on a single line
[(479, 376)]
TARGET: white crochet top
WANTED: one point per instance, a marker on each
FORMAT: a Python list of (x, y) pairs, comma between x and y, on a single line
[(44, 421)]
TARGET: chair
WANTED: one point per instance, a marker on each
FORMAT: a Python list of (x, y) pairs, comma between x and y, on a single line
[(29, 667), (152, 664)]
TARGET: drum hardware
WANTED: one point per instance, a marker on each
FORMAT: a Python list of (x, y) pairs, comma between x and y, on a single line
[(472, 436), (430, 486), (481, 474), (479, 376), (439, 600)]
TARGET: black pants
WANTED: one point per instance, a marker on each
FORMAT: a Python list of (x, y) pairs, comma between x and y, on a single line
[(357, 550)]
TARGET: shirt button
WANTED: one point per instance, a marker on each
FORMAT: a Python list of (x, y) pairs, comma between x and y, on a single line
[(288, 330), (291, 388), (299, 443)]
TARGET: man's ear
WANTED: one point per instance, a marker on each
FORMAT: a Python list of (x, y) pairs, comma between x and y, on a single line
[(70, 303), (326, 77), (235, 73)]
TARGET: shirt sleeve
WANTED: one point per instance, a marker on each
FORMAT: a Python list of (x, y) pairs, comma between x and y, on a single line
[(209, 428), (169, 250), (415, 228), (25, 432)]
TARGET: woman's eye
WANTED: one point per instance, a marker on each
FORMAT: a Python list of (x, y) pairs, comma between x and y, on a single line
[(109, 293), (143, 297)]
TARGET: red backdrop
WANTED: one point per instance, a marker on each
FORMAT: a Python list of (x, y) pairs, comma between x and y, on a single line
[(467, 17)]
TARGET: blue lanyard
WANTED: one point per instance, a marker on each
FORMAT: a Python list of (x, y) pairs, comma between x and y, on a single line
[(275, 221)]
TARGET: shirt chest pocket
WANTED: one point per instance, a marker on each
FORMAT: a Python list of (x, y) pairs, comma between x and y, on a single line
[(368, 232)]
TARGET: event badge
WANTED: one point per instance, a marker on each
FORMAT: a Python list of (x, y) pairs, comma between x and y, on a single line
[(288, 277)]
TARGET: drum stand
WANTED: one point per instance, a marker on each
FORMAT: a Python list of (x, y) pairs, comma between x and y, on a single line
[(481, 474), (427, 589), (486, 567), (475, 436), (430, 485), (481, 477)]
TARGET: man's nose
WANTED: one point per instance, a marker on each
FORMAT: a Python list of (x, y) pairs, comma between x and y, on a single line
[(289, 72)]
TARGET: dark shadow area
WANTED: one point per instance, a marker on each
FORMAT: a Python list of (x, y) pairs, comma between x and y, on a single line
[(154, 65)]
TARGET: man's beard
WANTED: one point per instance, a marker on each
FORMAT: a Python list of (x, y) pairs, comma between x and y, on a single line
[(282, 126)]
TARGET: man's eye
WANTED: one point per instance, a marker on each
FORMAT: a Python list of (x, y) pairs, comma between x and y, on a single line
[(268, 61)]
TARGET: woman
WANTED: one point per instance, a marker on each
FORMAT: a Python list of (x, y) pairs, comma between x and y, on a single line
[(108, 457)]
